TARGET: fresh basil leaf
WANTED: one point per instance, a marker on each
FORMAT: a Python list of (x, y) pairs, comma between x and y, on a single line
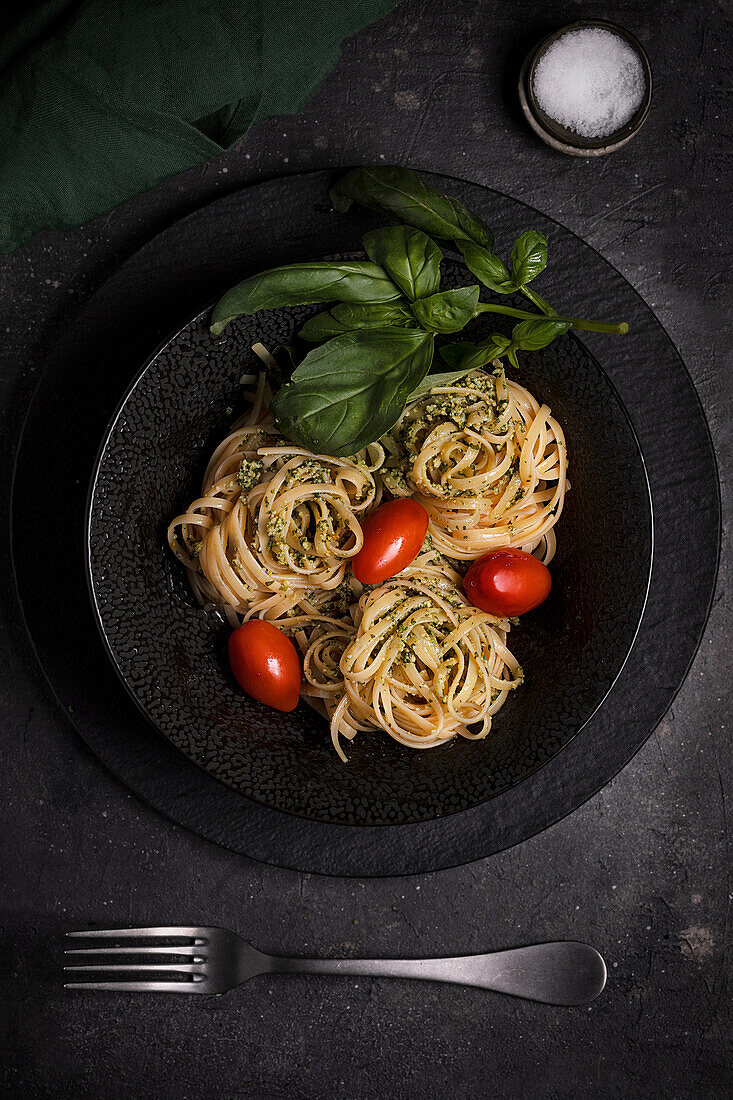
[(488, 268), (349, 392), (303, 284), (511, 354), (459, 354), (466, 356), (448, 311), (353, 315), (409, 257), (430, 380), (403, 194), (533, 335), (529, 256)]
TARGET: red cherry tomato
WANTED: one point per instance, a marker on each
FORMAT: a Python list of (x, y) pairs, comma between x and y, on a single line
[(266, 664), (393, 536), (507, 582)]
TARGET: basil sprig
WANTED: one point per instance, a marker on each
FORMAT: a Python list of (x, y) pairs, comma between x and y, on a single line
[(377, 338), (394, 190)]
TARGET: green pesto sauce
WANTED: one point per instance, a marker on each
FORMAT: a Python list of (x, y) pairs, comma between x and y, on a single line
[(249, 473)]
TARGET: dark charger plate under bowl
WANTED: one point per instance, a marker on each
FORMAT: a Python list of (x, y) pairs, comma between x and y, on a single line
[(171, 654), (158, 290)]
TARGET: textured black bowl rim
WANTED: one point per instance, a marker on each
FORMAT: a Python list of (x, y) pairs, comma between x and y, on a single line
[(110, 649), (195, 801)]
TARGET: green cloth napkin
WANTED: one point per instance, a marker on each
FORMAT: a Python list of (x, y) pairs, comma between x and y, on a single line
[(103, 99)]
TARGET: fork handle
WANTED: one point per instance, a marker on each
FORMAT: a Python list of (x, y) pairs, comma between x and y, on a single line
[(560, 973)]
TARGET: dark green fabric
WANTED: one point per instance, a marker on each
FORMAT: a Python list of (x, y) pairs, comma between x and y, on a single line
[(102, 99)]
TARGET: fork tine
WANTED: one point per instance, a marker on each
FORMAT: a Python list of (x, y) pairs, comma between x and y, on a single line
[(140, 987), (184, 949), (131, 968), (141, 933)]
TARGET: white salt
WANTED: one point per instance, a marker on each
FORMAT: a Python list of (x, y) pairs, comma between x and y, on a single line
[(590, 81)]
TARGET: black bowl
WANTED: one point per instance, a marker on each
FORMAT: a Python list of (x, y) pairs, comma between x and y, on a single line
[(170, 653)]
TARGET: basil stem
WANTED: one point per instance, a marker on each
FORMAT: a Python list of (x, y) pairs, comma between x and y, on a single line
[(538, 301), (617, 327)]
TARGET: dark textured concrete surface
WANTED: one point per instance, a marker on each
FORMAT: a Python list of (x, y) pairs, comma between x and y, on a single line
[(641, 871)]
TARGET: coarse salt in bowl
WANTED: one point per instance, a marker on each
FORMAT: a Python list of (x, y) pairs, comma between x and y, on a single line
[(590, 81)]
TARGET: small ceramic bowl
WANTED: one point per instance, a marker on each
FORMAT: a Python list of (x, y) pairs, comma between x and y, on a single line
[(560, 137)]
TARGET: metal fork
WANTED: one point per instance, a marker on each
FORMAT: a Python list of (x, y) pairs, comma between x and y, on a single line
[(217, 960)]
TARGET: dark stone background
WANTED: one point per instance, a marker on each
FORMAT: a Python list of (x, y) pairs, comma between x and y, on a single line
[(640, 871)]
